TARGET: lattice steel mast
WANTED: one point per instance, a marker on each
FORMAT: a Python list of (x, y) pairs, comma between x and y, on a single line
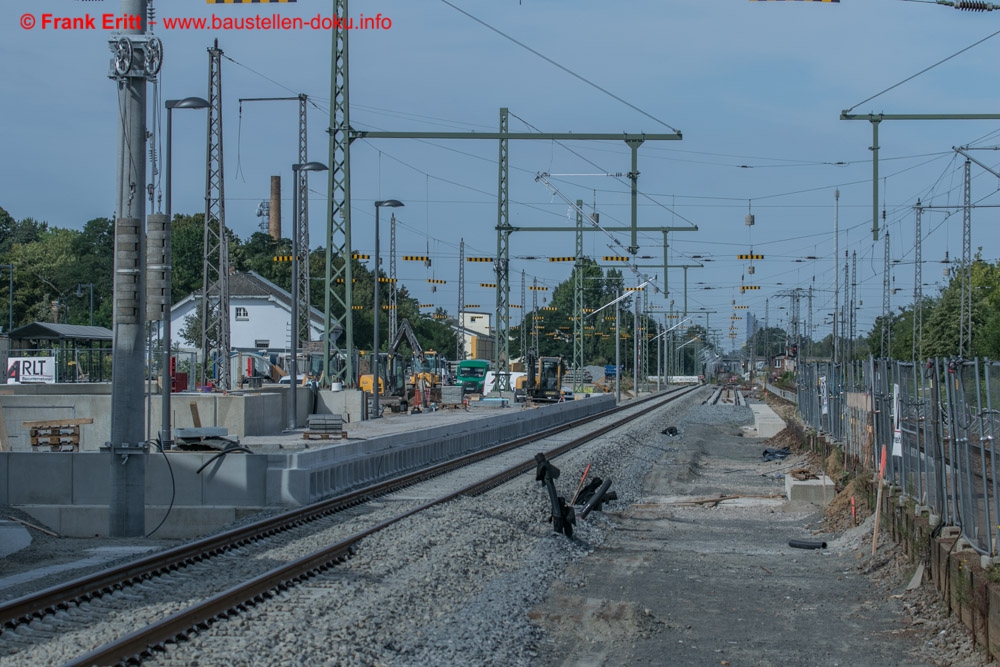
[(524, 333), (501, 350), (338, 214), (918, 289), (461, 299), (965, 313), (886, 301), (215, 270), (578, 302)]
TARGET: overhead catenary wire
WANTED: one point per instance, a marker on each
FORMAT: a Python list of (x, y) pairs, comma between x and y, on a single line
[(926, 69), (562, 67)]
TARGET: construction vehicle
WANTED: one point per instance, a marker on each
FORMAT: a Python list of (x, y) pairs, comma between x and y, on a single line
[(471, 375), (542, 381), (423, 371)]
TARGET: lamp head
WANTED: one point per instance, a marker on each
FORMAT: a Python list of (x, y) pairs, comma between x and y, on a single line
[(389, 203), (188, 103), (309, 166)]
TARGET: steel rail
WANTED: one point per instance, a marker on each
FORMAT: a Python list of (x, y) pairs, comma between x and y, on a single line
[(63, 596), (132, 648)]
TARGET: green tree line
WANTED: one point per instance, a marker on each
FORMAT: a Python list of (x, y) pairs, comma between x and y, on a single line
[(49, 263)]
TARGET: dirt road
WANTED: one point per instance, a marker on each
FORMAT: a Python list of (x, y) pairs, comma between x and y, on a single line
[(717, 584)]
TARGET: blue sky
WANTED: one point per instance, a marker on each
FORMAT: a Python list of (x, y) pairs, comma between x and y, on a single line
[(756, 88)]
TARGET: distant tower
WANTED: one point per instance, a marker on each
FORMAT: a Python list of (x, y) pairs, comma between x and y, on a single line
[(274, 222)]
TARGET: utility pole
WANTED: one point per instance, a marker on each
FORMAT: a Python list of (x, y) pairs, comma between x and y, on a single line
[(501, 349), (136, 59), (836, 272), (854, 299), (461, 299), (524, 333), (215, 267), (886, 301), (393, 322), (302, 232), (918, 290), (809, 321), (534, 314), (847, 352), (578, 302), (767, 333)]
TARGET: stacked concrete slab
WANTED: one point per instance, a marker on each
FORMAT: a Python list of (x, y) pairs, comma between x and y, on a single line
[(766, 422)]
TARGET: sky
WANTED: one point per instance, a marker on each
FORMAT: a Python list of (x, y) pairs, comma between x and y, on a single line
[(755, 88)]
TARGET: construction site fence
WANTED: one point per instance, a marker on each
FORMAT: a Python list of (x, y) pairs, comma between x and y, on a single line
[(932, 423)]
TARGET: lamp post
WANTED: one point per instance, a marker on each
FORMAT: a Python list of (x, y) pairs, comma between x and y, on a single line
[(10, 298), (79, 293), (186, 103), (618, 338), (294, 329), (390, 203)]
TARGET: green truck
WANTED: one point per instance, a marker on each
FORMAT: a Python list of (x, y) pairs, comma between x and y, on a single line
[(471, 375)]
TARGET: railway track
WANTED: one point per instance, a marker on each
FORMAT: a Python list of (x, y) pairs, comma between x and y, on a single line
[(165, 596), (726, 394)]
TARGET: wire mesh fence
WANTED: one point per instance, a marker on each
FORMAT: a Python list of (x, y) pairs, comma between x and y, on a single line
[(936, 422)]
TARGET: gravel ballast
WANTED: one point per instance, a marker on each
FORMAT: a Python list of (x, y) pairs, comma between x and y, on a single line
[(649, 579)]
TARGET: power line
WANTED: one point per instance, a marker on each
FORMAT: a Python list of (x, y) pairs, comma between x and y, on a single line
[(562, 67)]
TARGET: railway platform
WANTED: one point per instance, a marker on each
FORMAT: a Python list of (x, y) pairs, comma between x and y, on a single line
[(197, 492)]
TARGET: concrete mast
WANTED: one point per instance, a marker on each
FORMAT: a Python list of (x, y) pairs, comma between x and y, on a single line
[(136, 57)]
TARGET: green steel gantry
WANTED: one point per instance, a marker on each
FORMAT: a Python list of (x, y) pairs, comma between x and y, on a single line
[(338, 228)]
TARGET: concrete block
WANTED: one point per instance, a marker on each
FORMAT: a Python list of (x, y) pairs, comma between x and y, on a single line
[(766, 422), (92, 520), (91, 479), (188, 522), (40, 478), (817, 491), (235, 479), (13, 537), (72, 521), (186, 484), (4, 478)]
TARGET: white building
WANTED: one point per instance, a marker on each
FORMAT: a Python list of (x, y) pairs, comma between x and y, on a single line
[(260, 313)]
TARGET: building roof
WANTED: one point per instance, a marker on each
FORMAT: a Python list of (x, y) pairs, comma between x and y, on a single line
[(49, 331), (250, 284)]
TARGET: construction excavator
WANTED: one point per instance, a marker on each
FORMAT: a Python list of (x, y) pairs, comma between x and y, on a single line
[(543, 377), (405, 381)]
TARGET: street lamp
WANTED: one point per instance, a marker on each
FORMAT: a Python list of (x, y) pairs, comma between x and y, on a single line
[(294, 329), (79, 293), (389, 203), (186, 103), (618, 336)]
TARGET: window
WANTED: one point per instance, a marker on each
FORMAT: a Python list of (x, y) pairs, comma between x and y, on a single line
[(242, 314)]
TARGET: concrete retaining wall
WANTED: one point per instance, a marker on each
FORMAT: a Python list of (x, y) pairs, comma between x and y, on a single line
[(243, 414), (70, 492), (313, 475)]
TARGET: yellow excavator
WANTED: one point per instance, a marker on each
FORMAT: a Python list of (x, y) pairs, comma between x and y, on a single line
[(425, 367)]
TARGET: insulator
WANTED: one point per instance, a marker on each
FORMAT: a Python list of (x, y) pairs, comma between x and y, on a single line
[(150, 13), (974, 5)]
